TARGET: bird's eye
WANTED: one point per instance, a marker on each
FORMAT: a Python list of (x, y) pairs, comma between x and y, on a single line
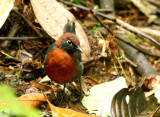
[(69, 42)]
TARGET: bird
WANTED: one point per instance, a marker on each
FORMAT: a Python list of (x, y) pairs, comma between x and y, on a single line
[(62, 62)]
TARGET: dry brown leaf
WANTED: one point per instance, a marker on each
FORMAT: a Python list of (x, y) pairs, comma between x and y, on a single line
[(33, 99), (53, 16), (62, 112)]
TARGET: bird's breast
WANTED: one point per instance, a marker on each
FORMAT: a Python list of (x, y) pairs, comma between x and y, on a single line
[(60, 66)]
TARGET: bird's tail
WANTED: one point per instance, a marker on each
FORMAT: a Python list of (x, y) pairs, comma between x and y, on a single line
[(69, 27)]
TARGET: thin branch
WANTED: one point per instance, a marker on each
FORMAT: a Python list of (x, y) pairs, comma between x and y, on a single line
[(13, 31), (29, 23), (156, 111), (23, 38), (117, 21), (119, 37)]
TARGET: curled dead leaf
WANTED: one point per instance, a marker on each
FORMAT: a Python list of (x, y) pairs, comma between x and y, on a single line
[(129, 103), (62, 112)]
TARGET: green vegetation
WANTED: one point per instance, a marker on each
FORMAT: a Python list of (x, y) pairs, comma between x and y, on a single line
[(14, 107), (78, 1), (133, 38)]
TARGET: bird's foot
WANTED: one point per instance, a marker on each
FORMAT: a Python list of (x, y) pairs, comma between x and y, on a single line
[(64, 96)]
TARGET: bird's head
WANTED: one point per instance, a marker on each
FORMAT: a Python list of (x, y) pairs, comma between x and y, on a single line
[(69, 42)]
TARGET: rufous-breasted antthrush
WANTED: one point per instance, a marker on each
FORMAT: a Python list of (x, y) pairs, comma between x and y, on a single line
[(63, 59)]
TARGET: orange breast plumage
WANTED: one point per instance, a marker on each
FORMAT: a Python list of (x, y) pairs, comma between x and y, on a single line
[(60, 66)]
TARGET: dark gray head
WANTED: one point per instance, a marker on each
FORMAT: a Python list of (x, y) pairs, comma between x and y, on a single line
[(69, 46), (69, 42)]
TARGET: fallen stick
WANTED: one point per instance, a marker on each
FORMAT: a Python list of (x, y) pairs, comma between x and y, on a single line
[(117, 21), (143, 66), (23, 38), (13, 31)]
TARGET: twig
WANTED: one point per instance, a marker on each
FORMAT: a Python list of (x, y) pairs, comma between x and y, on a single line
[(13, 31), (9, 57), (136, 31), (143, 66), (154, 2), (39, 53), (120, 37), (23, 38), (117, 21), (29, 23), (1, 51), (87, 77), (136, 46), (156, 111), (13, 59), (87, 9), (129, 61)]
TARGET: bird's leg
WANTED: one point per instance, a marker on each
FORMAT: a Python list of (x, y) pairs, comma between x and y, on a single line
[(64, 94), (81, 91)]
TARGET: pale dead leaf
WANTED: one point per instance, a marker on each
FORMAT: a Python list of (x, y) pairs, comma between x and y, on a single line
[(53, 16), (5, 8), (45, 79)]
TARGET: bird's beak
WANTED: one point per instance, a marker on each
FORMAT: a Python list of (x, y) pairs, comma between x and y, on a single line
[(78, 48)]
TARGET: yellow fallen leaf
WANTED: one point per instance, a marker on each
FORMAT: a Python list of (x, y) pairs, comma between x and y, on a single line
[(62, 112), (33, 99)]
